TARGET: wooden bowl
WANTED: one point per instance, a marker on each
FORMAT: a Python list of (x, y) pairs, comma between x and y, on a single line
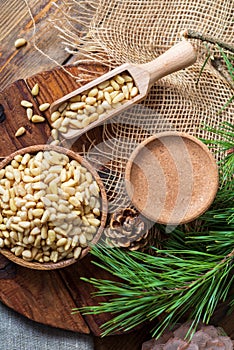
[(66, 262), (171, 178)]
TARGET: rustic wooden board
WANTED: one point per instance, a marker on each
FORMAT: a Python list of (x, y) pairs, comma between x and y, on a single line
[(48, 297), (40, 296), (43, 296), (16, 22), (16, 117), (131, 341), (36, 304)]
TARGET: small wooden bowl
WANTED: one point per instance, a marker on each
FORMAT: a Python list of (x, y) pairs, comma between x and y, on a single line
[(72, 155), (171, 178)]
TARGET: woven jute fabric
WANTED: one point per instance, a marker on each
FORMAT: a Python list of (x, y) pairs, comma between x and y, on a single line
[(116, 31)]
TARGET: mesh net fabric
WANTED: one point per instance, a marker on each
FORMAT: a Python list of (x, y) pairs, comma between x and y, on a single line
[(118, 31)]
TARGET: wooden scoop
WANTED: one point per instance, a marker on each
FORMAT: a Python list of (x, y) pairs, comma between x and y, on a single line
[(144, 75)]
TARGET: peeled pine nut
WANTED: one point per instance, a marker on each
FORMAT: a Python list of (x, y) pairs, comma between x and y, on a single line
[(29, 113), (93, 92), (120, 80), (104, 84), (107, 97), (26, 254), (20, 42), (93, 104), (134, 91), (44, 106), (20, 131), (55, 116), (120, 97), (115, 85), (127, 77), (90, 100), (26, 104), (77, 252), (48, 214), (35, 90), (37, 119)]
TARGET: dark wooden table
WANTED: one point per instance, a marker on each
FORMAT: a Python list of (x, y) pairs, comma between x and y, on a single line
[(20, 286), (22, 289)]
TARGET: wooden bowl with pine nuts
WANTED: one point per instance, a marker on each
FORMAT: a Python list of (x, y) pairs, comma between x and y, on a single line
[(53, 205)]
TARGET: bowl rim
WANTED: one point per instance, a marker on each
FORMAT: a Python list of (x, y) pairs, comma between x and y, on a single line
[(104, 206), (160, 135)]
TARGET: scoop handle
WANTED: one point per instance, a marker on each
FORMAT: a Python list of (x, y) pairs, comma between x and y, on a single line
[(178, 57)]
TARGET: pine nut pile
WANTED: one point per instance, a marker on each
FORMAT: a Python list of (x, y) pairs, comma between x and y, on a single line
[(91, 105), (50, 207)]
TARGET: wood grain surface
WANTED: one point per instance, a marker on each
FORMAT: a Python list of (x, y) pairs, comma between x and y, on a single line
[(16, 117), (48, 297), (39, 296), (31, 304), (16, 22)]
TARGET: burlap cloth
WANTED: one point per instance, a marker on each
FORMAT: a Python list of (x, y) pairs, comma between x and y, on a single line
[(116, 31), (112, 32)]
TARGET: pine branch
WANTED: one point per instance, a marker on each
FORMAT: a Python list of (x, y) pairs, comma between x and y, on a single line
[(213, 239), (217, 63), (227, 62), (195, 278), (203, 66), (188, 278), (191, 34), (224, 145)]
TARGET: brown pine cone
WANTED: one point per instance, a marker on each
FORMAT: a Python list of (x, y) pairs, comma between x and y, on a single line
[(205, 338), (127, 229)]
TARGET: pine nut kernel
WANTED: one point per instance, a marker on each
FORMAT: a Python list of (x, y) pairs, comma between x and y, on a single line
[(37, 119), (36, 223), (90, 100), (20, 42), (93, 92), (20, 131), (118, 98), (29, 113), (134, 91), (35, 90), (44, 106), (26, 104)]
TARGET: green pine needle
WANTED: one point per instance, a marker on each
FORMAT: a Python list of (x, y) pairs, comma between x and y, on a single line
[(230, 69), (169, 284), (224, 145), (229, 101), (204, 64), (227, 62), (188, 278)]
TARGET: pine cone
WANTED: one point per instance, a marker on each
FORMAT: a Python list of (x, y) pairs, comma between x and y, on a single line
[(205, 338), (127, 229)]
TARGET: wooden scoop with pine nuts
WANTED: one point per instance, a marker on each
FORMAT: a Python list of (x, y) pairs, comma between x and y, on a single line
[(115, 91)]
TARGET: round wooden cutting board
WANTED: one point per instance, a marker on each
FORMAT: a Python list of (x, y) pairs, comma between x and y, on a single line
[(48, 297)]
